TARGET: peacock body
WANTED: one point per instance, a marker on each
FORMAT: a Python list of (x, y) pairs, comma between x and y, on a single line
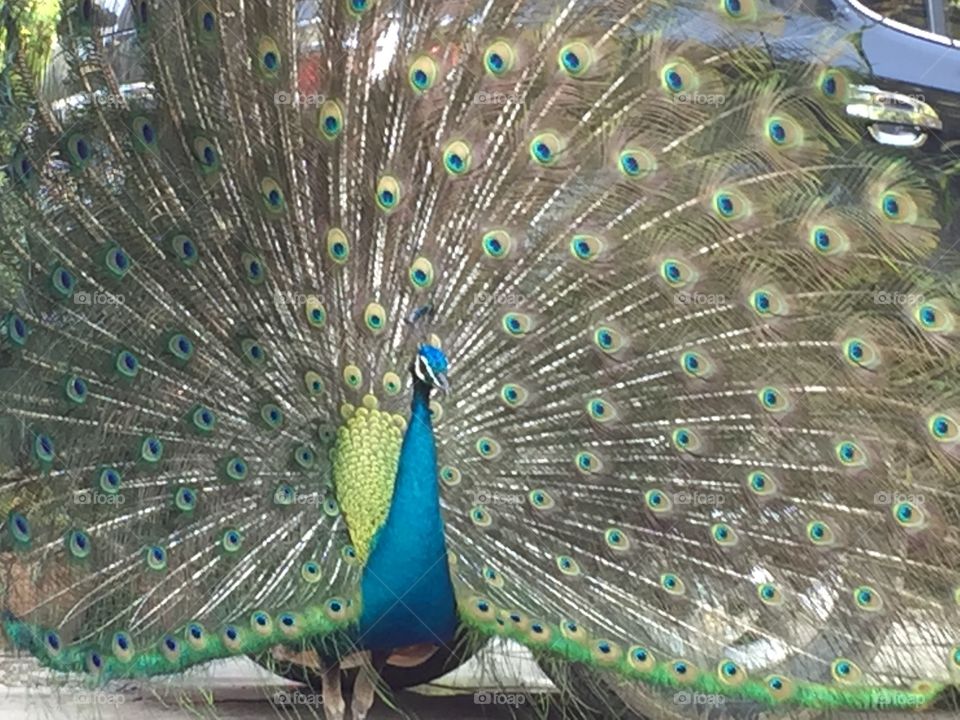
[(702, 423)]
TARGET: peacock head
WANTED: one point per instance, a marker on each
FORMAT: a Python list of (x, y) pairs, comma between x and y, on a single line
[(430, 367)]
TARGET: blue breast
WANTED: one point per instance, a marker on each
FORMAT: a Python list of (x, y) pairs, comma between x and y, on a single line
[(406, 589)]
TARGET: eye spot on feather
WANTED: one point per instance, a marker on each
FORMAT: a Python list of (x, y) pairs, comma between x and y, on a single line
[(180, 347), (231, 541), (672, 584), (723, 535), (423, 74), (253, 267), (739, 10), (683, 671), (572, 630), (450, 475), (641, 658), (586, 247), (272, 196), (861, 353), (658, 501), (516, 324), (338, 246), (480, 517), (933, 316), (375, 318), (540, 499), (388, 193), (575, 59), (769, 594), (15, 329), (421, 273), (253, 352), (636, 163), (269, 59), (79, 544), (349, 554), (118, 262), (587, 462), (845, 671), (696, 365), (144, 133), (151, 450), (761, 483), (75, 388), (909, 515), (304, 457), (783, 132), (608, 339), (730, 673), (898, 207), (499, 58), (232, 638), (63, 282), (330, 119), (567, 565), (352, 377), (272, 416), (868, 599), (156, 558), (766, 302), (185, 499), (52, 643), (730, 204), (94, 663), (819, 533), (616, 539), (457, 157), (833, 85), (492, 577), (828, 241), (943, 428), (685, 440), (513, 395), (310, 572), (606, 653), (184, 250), (19, 528), (496, 244), (850, 454), (284, 495), (773, 400), (545, 148), (358, 7), (679, 77), (676, 273), (488, 448), (601, 411)]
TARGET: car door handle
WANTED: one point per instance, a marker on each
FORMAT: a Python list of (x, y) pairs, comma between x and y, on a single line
[(894, 118)]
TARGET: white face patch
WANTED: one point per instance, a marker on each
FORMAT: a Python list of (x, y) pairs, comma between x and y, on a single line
[(424, 372)]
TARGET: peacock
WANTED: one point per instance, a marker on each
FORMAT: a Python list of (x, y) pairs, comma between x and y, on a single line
[(366, 332)]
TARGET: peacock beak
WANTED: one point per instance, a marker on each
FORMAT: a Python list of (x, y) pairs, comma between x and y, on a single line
[(443, 385)]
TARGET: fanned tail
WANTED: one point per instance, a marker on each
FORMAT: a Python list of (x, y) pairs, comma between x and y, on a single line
[(703, 427)]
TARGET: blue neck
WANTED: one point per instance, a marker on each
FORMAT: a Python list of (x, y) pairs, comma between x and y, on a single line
[(406, 590)]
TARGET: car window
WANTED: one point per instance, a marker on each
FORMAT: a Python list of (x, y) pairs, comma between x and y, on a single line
[(909, 12)]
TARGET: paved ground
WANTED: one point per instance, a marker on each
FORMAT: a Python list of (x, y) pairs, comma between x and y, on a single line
[(243, 691)]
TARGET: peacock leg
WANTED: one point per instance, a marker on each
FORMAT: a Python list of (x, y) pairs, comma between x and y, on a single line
[(333, 704), (365, 687)]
